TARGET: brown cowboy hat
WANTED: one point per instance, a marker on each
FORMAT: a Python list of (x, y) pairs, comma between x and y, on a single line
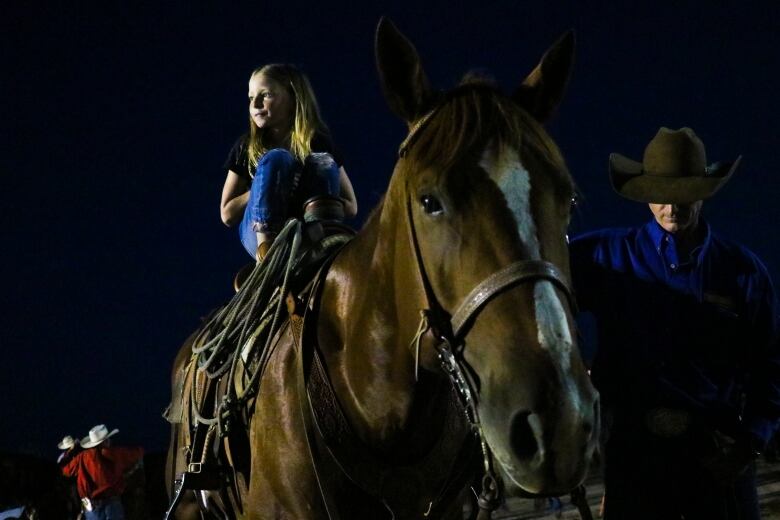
[(673, 170)]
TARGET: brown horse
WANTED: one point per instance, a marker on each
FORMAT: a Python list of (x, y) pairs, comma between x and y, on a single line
[(472, 232)]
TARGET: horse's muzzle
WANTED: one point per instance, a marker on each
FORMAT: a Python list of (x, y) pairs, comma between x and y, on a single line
[(549, 451)]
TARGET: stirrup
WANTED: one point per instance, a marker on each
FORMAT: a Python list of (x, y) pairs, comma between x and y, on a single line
[(323, 207), (199, 477), (178, 487)]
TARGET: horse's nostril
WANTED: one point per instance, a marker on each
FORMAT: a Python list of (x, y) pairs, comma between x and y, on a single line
[(522, 436)]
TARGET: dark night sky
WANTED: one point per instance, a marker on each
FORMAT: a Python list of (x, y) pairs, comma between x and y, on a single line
[(115, 120)]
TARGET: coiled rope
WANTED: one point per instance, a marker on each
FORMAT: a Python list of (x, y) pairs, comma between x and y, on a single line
[(252, 317), (244, 322)]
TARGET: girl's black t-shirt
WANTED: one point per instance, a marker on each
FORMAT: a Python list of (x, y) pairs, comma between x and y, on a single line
[(238, 159)]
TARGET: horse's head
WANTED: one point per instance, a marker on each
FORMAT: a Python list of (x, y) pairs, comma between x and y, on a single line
[(482, 189)]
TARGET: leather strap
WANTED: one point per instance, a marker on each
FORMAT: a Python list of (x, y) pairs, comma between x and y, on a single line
[(312, 439), (415, 129), (513, 274)]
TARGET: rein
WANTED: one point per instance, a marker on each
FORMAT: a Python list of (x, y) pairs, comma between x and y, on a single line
[(449, 330)]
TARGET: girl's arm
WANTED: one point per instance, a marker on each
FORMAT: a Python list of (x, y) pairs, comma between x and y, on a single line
[(346, 193), (235, 195)]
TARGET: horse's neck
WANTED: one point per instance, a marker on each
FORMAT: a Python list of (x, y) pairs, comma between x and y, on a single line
[(369, 315)]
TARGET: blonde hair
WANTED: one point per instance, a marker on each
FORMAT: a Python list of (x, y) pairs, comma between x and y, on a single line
[(306, 120)]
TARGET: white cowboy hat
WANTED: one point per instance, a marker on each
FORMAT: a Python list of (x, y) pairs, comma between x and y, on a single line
[(66, 443), (97, 435)]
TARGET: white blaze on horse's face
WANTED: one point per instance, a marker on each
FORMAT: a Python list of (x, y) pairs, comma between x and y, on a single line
[(506, 169)]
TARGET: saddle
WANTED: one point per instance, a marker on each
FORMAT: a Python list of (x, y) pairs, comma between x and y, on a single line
[(215, 388)]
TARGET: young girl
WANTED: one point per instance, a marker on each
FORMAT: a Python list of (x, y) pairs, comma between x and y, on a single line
[(286, 158)]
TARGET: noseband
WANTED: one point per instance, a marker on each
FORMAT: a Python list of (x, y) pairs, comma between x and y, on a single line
[(450, 330)]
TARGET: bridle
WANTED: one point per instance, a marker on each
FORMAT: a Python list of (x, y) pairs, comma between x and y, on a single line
[(449, 330)]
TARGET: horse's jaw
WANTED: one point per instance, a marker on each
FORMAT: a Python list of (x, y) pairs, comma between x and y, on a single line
[(544, 453), (536, 479)]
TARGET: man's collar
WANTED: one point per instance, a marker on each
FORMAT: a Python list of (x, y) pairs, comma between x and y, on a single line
[(656, 232), (659, 234)]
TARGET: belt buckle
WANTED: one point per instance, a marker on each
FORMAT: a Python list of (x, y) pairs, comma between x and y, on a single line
[(667, 423), (87, 504)]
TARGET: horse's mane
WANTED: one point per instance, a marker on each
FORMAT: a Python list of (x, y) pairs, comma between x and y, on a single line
[(472, 113)]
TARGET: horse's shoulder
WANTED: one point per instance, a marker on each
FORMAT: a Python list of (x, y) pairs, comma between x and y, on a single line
[(740, 255)]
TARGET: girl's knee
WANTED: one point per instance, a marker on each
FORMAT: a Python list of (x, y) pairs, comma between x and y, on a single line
[(321, 162), (323, 173)]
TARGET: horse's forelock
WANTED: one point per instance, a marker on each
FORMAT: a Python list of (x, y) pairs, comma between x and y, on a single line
[(475, 124), (473, 115)]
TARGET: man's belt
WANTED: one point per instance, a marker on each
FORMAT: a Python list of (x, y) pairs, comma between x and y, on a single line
[(90, 504), (87, 504), (668, 422)]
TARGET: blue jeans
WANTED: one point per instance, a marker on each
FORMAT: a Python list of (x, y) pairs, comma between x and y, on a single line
[(274, 196), (109, 509)]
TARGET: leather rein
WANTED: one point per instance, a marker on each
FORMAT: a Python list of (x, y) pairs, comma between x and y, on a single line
[(449, 330)]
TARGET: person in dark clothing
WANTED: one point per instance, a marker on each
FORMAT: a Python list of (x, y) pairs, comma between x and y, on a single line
[(286, 157), (687, 358)]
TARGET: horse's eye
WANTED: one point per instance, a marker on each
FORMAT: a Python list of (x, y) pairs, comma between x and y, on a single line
[(575, 201), (431, 204)]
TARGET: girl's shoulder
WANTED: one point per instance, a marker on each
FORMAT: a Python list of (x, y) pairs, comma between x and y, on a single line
[(238, 158), (240, 145)]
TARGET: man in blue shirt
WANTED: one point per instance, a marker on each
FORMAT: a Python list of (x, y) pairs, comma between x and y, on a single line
[(688, 360)]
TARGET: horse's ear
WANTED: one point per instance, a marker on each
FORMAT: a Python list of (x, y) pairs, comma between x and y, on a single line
[(403, 79), (543, 89)]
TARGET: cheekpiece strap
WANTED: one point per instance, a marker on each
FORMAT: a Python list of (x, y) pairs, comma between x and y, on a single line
[(414, 131)]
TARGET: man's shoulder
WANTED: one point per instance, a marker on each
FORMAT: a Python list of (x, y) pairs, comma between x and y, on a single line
[(126, 451), (71, 463), (740, 256)]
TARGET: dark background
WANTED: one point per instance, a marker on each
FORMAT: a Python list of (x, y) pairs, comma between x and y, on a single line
[(115, 120)]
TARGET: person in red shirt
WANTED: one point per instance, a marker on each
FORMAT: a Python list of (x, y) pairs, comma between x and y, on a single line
[(70, 448), (100, 473)]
